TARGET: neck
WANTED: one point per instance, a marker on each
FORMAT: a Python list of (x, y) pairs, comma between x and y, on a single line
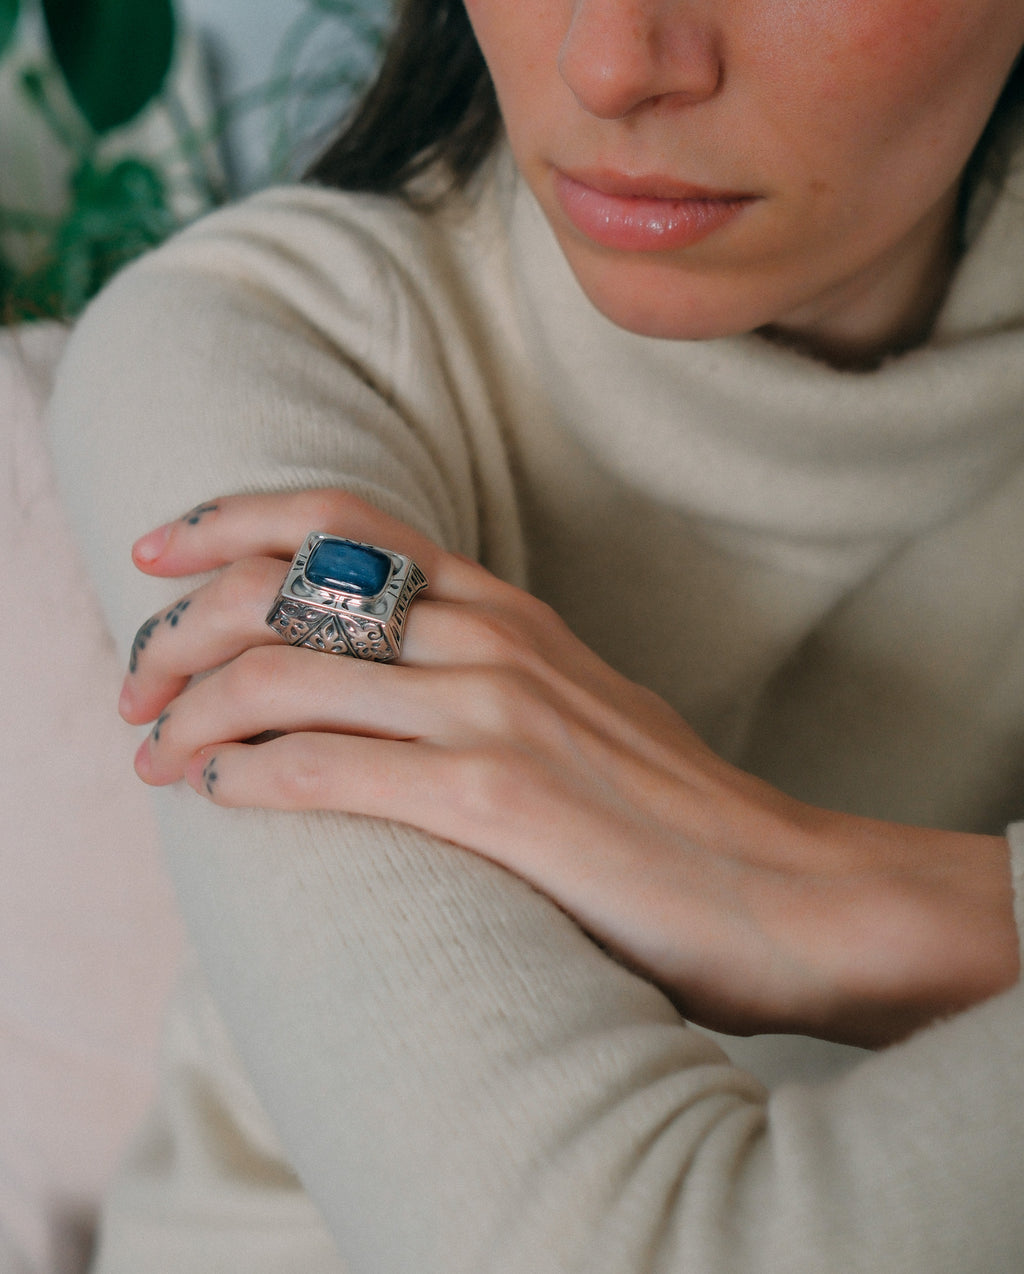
[(887, 311)]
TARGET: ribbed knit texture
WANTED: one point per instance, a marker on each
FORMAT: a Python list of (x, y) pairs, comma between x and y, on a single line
[(821, 570)]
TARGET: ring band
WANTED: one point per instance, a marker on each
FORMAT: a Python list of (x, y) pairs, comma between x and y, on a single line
[(346, 598)]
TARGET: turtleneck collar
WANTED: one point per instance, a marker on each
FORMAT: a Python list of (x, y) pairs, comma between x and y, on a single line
[(773, 453)]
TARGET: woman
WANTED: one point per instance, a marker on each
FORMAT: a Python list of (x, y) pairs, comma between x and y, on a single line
[(726, 369)]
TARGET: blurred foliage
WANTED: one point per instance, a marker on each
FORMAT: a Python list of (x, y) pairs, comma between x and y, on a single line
[(105, 63), (114, 54), (8, 21), (117, 211)]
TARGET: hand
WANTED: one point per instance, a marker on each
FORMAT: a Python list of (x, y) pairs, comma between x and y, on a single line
[(501, 732)]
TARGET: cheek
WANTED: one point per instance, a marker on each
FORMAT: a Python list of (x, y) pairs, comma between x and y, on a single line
[(910, 57), (520, 43), (896, 91), (878, 42)]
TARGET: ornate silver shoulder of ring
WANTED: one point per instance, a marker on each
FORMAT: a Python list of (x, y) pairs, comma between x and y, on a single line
[(346, 598)]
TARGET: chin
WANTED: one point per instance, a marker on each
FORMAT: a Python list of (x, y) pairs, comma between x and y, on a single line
[(650, 296), (673, 310)]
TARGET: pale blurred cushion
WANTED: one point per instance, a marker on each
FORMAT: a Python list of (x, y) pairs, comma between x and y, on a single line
[(89, 939)]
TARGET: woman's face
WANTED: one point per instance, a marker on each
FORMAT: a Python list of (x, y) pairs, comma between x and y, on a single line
[(714, 166)]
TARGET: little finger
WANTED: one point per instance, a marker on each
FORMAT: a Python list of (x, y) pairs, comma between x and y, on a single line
[(381, 778)]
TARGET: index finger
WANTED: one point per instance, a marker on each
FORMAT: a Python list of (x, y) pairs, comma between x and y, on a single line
[(229, 528)]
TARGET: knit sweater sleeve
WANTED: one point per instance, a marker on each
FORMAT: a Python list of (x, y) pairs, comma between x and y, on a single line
[(464, 1083), (1015, 835)]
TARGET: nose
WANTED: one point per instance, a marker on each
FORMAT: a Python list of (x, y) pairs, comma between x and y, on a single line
[(619, 54)]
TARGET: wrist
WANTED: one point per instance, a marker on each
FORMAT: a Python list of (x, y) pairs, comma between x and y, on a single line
[(924, 919)]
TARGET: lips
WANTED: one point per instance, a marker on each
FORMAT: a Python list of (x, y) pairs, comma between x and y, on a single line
[(644, 214)]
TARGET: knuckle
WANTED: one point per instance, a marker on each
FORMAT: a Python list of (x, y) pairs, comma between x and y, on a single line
[(539, 613), (301, 775), (240, 583), (501, 699), (489, 636), (534, 613), (259, 667), (328, 507), (524, 633), (488, 787)]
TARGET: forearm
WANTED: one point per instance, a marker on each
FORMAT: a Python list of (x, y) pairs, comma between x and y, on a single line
[(462, 1079), (422, 1026), (910, 924), (465, 1083), (1015, 839), (942, 933)]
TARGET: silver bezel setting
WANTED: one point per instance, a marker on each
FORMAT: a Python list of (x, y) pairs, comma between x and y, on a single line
[(343, 623)]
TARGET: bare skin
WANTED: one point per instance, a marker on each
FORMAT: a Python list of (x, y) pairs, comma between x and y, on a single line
[(501, 732)]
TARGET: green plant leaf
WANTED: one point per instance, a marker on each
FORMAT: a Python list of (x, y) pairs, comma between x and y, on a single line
[(114, 54), (8, 21), (6, 280), (118, 211)]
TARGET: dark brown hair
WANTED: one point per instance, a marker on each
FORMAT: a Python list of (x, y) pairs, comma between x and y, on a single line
[(992, 153), (433, 103)]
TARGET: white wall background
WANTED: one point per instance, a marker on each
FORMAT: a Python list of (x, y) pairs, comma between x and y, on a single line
[(246, 33), (244, 37)]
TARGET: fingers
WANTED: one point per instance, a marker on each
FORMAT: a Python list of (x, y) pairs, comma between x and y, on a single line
[(271, 525), (230, 528), (472, 797), (278, 689), (377, 777), (226, 616), (515, 648), (521, 667), (251, 539), (199, 632)]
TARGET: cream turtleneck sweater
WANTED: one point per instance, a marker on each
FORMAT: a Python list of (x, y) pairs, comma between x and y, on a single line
[(820, 569)]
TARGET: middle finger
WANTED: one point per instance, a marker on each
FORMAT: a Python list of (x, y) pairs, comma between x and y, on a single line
[(199, 632), (226, 616)]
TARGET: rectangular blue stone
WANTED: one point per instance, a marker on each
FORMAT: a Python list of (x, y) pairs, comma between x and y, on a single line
[(349, 567)]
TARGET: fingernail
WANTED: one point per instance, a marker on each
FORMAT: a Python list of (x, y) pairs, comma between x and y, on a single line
[(194, 771), (126, 701), (149, 548), (201, 773)]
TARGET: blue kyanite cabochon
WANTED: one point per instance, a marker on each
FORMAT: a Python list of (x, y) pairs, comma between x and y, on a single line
[(349, 567)]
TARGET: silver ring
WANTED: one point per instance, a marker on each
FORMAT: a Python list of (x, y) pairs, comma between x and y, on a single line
[(346, 598)]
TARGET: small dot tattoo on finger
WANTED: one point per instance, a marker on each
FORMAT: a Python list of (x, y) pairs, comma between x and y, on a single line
[(196, 515), (142, 638), (160, 722), (210, 775), (175, 613)]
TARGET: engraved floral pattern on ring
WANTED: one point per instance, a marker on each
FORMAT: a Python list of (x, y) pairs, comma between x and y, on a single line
[(347, 619)]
